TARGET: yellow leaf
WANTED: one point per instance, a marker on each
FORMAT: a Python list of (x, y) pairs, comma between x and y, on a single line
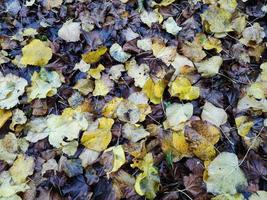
[(94, 56), (96, 72), (193, 50), (147, 183), (111, 107), (210, 66), (243, 125), (101, 89), (182, 88), (160, 51), (118, 157), (4, 116), (224, 175), (217, 20), (36, 52), (44, 83), (209, 43), (98, 139), (177, 115), (11, 88), (21, 168), (154, 91)]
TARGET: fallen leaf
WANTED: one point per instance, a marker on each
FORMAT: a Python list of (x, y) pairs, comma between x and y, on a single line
[(118, 157), (118, 54), (45, 83), (147, 183), (171, 26), (4, 116), (182, 88), (70, 31), (177, 115), (94, 56), (213, 114), (224, 175), (209, 67), (154, 91), (98, 139), (21, 169), (11, 88), (36, 52)]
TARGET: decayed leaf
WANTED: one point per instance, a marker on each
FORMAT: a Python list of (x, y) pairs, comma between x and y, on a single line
[(8, 188), (217, 20), (49, 4), (193, 51), (128, 112), (140, 73), (202, 137), (209, 67), (154, 91), (4, 116), (88, 157), (67, 125), (213, 114), (84, 86), (94, 56), (115, 71), (98, 139), (176, 144), (224, 175), (82, 66), (229, 5), (149, 18), (36, 130), (8, 148), (145, 44), (182, 66), (118, 54), (147, 183), (18, 118), (44, 83), (70, 31), (182, 88), (160, 51), (171, 26), (134, 133), (36, 52), (177, 115), (11, 87), (208, 43), (118, 157), (21, 169), (110, 108), (253, 33)]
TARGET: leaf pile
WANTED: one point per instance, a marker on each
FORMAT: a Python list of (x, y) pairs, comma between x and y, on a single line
[(133, 99)]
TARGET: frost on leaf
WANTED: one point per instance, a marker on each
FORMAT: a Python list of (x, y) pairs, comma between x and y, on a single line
[(36, 53), (44, 83), (224, 175), (11, 88)]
